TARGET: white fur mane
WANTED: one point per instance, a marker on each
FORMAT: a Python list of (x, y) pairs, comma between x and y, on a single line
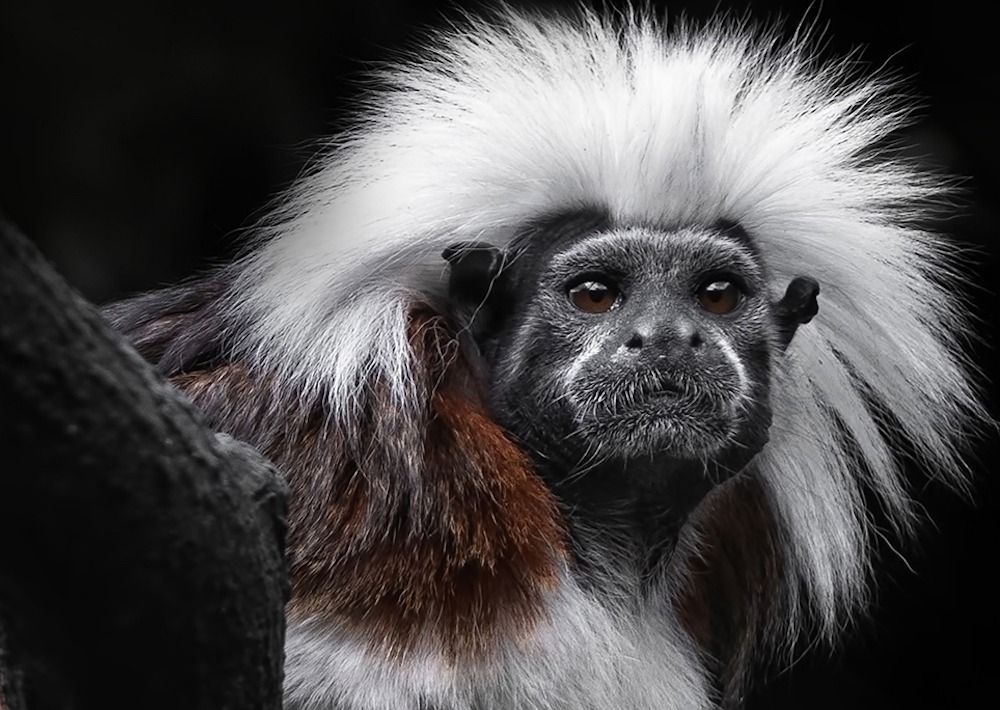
[(505, 121)]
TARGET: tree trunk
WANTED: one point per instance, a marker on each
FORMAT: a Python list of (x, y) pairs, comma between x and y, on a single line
[(142, 562)]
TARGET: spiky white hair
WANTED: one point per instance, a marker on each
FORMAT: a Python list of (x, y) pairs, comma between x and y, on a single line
[(506, 120)]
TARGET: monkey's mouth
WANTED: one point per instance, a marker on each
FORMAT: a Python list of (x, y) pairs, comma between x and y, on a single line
[(665, 390), (660, 389)]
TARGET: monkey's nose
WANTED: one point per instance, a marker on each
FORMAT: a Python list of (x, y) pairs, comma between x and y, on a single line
[(677, 337)]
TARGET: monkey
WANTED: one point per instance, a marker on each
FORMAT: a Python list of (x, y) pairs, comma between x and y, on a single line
[(584, 351)]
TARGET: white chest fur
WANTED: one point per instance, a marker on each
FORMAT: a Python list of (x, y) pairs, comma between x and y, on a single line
[(585, 655)]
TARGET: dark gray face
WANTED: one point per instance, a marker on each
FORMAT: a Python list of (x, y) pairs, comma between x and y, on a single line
[(626, 344)]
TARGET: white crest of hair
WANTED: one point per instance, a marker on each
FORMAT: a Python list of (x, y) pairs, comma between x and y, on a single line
[(507, 120), (585, 655)]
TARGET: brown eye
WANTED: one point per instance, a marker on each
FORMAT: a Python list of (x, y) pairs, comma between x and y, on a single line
[(593, 297), (719, 297)]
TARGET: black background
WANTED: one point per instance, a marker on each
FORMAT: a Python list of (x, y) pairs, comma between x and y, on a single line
[(138, 141)]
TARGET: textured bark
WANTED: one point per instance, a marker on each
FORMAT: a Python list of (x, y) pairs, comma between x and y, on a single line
[(143, 556)]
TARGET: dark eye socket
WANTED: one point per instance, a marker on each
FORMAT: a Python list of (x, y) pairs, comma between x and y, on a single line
[(593, 296), (720, 295)]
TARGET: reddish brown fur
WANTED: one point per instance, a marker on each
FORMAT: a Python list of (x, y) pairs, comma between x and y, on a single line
[(430, 525), (736, 576)]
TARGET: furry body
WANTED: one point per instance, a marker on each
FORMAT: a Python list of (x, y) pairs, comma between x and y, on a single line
[(430, 563)]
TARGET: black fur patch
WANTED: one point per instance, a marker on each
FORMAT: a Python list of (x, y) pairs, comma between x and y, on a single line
[(177, 329)]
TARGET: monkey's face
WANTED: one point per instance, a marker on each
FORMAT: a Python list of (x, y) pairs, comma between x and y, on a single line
[(634, 343)]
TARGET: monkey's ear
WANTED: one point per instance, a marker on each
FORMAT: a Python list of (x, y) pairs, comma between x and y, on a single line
[(797, 306), (474, 269), (475, 287)]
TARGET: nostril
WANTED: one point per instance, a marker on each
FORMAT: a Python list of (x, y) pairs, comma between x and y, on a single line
[(695, 340), (635, 342)]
